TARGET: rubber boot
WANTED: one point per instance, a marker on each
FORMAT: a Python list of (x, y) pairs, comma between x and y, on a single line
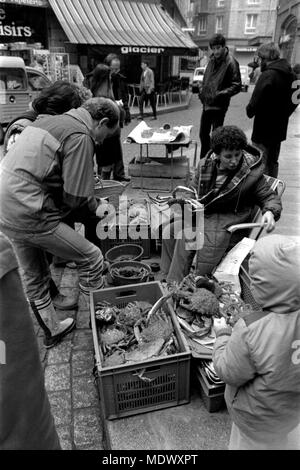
[(46, 316)]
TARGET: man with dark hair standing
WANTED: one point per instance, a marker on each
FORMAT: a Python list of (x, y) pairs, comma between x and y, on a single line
[(222, 80), (271, 105), (147, 89)]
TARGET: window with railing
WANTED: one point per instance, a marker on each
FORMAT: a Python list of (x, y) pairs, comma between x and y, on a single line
[(202, 25), (251, 23), (219, 24), (221, 3), (253, 2)]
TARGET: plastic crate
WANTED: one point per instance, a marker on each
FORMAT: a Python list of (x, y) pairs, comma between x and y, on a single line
[(212, 395), (246, 293), (124, 232), (122, 392)]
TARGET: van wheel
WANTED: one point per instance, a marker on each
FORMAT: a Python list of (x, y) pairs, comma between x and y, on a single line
[(1, 135)]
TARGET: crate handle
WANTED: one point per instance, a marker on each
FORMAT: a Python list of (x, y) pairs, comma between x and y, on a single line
[(140, 373), (126, 293)]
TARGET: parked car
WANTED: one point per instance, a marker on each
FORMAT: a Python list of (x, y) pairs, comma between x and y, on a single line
[(19, 85), (197, 78), (244, 69)]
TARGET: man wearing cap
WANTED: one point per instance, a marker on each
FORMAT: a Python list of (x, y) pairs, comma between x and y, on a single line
[(221, 81)]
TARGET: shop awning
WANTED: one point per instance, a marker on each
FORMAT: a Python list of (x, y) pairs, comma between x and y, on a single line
[(136, 25)]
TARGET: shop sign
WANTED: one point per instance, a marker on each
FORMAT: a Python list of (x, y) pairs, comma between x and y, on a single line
[(141, 50), (246, 49), (28, 3), (11, 30)]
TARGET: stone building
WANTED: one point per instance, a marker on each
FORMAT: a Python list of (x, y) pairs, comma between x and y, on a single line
[(287, 33), (245, 23)]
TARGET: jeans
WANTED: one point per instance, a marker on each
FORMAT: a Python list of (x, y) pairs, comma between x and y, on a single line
[(210, 119), (270, 157), (64, 242), (144, 99)]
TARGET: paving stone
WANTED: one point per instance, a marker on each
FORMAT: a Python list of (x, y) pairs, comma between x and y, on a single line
[(65, 437), (61, 353), (57, 377), (87, 427), (83, 340), (83, 319), (61, 407), (83, 367), (97, 446), (84, 392)]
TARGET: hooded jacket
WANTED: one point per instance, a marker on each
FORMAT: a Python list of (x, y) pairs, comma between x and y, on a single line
[(260, 361), (221, 81), (233, 205), (271, 103)]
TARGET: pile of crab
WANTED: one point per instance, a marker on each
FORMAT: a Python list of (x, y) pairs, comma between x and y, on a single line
[(136, 333), (196, 301)]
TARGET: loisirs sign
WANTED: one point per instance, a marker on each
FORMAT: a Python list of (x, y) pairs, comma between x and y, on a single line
[(28, 3), (11, 29)]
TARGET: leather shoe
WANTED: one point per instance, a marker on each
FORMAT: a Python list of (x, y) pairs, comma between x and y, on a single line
[(123, 178), (140, 118), (62, 302)]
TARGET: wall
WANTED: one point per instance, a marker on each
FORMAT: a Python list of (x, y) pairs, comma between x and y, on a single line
[(288, 11)]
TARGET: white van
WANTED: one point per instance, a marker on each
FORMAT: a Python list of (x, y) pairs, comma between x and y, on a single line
[(19, 85)]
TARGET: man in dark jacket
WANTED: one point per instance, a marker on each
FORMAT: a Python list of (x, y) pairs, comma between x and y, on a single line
[(222, 80), (271, 105), (114, 145), (229, 185)]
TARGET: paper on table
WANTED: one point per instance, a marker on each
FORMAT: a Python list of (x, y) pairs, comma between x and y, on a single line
[(143, 134)]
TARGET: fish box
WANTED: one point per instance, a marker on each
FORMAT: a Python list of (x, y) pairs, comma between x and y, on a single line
[(212, 395), (156, 383)]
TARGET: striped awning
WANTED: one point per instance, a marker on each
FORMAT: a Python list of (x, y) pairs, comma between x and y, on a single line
[(124, 23)]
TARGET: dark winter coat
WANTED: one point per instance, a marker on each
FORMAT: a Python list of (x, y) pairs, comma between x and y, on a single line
[(26, 420), (233, 205), (120, 89), (222, 80), (271, 103)]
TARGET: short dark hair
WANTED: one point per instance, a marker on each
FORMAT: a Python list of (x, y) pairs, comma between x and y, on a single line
[(100, 108), (228, 138), (57, 98), (217, 40), (110, 57), (268, 51)]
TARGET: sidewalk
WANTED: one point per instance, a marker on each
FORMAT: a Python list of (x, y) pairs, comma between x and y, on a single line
[(70, 383)]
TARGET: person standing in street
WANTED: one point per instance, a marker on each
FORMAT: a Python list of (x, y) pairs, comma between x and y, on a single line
[(221, 81), (259, 359), (121, 95), (46, 178), (271, 105), (147, 90)]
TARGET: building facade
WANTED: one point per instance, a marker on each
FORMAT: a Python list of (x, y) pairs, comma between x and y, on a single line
[(245, 24), (287, 33)]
